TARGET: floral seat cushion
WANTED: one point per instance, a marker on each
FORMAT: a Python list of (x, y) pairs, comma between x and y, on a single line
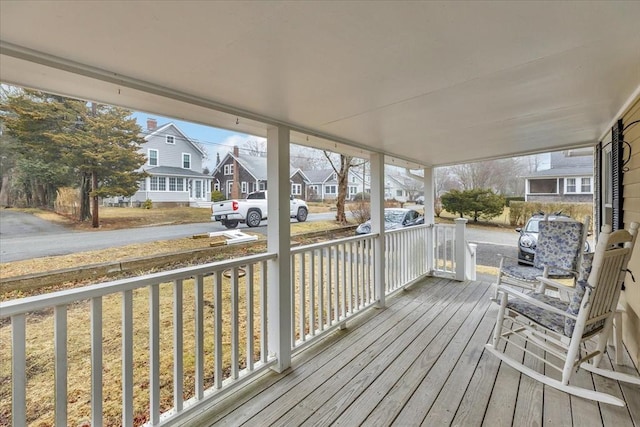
[(559, 244), (576, 299), (553, 321), (557, 322), (529, 273)]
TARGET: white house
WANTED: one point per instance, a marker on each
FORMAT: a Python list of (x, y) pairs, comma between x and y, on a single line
[(402, 187), (174, 165), (323, 184)]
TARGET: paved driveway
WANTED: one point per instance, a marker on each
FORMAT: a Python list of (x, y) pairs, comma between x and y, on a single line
[(14, 223)]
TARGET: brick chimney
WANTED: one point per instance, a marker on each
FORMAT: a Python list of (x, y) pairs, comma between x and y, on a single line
[(235, 190), (152, 124)]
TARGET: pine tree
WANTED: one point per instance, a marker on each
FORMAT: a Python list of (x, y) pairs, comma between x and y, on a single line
[(61, 141)]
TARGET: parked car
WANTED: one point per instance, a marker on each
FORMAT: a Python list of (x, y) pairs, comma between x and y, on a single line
[(528, 239), (253, 210), (394, 218)]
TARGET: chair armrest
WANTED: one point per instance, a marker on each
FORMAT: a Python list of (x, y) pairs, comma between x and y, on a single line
[(555, 284), (520, 295), (572, 272), (523, 261)]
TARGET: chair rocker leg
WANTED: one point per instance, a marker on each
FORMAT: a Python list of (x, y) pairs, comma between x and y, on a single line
[(576, 391), (618, 376)]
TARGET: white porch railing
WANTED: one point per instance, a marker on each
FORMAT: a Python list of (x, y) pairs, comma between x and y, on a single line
[(200, 306), (406, 256), (331, 282), (444, 250), (202, 330)]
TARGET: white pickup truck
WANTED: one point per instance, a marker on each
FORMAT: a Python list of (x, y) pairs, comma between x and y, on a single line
[(252, 210)]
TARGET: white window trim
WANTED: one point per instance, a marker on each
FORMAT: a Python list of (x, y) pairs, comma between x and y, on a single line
[(228, 169), (244, 187), (189, 155), (171, 138), (149, 156), (578, 181), (296, 189)]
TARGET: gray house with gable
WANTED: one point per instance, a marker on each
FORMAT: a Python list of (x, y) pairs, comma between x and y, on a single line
[(250, 174), (174, 164), (567, 176)]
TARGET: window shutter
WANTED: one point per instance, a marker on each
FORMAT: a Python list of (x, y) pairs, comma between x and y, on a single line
[(597, 189), (616, 179)]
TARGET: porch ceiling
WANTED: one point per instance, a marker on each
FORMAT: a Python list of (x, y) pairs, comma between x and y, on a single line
[(431, 82)]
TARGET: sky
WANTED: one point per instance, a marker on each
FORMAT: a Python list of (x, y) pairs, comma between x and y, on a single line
[(213, 140)]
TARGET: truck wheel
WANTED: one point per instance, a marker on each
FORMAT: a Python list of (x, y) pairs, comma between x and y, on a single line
[(253, 218), (302, 215), (230, 223)]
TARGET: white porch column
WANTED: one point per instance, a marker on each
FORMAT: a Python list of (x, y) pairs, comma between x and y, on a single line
[(279, 241), (460, 255), (377, 224), (429, 216)]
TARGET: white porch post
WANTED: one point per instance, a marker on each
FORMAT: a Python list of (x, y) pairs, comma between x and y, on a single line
[(377, 225), (429, 216), (279, 241), (460, 248)]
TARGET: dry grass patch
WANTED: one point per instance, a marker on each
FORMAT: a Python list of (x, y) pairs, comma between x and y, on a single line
[(40, 351), (120, 253)]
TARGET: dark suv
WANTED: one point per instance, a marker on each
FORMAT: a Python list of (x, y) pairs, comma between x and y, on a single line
[(529, 237)]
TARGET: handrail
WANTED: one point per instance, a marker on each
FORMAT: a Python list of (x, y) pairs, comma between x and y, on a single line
[(39, 302)]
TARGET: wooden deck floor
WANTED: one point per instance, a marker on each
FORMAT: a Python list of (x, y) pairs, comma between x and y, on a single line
[(420, 361)]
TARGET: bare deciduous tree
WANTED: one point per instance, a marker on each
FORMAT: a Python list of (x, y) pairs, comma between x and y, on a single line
[(255, 147), (342, 172)]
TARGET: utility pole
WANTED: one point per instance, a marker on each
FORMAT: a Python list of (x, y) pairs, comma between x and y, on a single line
[(95, 222)]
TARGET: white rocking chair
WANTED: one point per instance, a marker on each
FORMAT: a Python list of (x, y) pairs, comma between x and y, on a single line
[(558, 254), (560, 328)]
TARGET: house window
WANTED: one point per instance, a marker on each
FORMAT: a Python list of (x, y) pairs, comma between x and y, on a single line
[(543, 186), (162, 183), (334, 176), (296, 189), (171, 139), (398, 193), (252, 187), (353, 190), (154, 183), (186, 160), (198, 189), (153, 157), (228, 169), (586, 186), (216, 186), (330, 189), (262, 186), (143, 185), (176, 184), (578, 185), (244, 187)]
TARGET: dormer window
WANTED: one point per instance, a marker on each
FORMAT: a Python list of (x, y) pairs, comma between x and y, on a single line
[(171, 139)]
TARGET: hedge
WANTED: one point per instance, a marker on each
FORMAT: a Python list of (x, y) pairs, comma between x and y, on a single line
[(519, 212)]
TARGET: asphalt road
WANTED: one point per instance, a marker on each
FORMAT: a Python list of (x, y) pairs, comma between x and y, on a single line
[(25, 236)]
